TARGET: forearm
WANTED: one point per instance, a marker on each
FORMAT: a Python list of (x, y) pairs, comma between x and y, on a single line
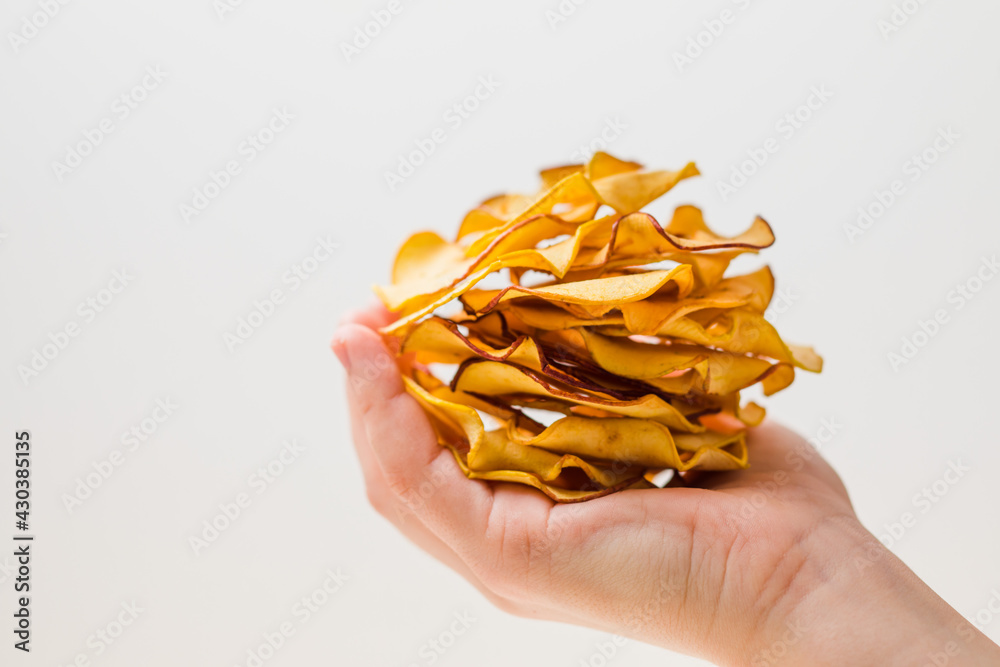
[(862, 606)]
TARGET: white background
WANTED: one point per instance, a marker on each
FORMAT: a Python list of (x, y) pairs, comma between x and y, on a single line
[(163, 335)]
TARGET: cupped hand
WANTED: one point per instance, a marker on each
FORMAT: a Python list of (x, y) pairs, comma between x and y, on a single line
[(753, 567)]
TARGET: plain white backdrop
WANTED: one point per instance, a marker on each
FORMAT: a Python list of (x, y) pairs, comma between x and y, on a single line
[(889, 90)]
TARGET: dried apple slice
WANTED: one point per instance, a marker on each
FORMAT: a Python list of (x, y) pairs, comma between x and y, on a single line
[(574, 190), (597, 296), (427, 265), (738, 330), (602, 165), (630, 191), (491, 456), (490, 378), (633, 340), (639, 442)]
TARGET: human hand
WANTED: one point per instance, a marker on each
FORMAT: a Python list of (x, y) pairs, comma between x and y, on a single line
[(750, 567)]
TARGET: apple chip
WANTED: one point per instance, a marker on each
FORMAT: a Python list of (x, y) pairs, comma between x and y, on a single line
[(616, 347)]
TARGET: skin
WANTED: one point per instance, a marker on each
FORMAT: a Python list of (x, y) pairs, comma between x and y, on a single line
[(756, 567)]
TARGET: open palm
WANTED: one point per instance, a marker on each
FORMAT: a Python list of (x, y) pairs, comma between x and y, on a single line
[(717, 568)]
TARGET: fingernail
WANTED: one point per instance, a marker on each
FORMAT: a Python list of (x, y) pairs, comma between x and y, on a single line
[(340, 349)]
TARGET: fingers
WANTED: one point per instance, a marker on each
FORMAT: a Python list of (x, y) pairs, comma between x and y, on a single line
[(490, 526), (774, 447), (374, 316), (775, 450), (405, 446), (399, 512), (405, 515)]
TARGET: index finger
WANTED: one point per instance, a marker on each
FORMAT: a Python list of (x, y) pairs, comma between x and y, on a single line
[(404, 442)]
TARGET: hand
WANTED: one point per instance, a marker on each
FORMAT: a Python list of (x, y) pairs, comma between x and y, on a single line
[(750, 568)]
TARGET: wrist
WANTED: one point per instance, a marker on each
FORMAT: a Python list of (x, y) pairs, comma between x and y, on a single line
[(854, 602)]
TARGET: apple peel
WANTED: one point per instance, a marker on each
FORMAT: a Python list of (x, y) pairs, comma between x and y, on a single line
[(629, 356)]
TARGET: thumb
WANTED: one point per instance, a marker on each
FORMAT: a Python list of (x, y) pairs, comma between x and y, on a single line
[(404, 442)]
